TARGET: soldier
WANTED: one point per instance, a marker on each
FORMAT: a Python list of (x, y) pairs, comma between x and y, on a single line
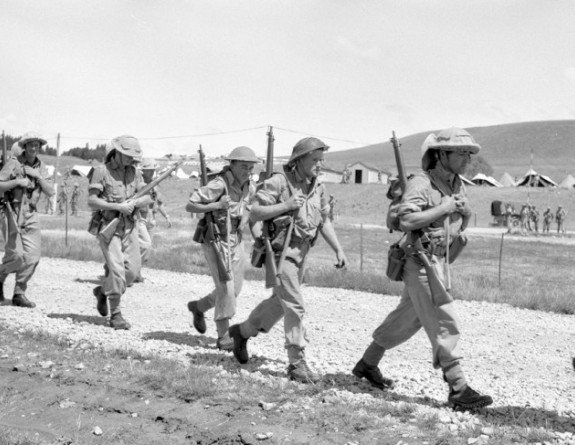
[(147, 219), (74, 199), (432, 200), (226, 196), (524, 218), (547, 219), (296, 192), (110, 190), (22, 183), (560, 218), (509, 218), (535, 218), (62, 198), (331, 203)]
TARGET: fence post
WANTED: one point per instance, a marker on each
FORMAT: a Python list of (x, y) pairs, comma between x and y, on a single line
[(361, 248), (500, 256)]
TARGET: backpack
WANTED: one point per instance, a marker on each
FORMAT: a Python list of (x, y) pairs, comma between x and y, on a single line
[(395, 194)]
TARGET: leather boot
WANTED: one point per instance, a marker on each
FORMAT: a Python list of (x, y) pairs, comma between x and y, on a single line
[(225, 343), (117, 322), (199, 319), (102, 304), (2, 292), (467, 398), (300, 372), (240, 348), (20, 300), (372, 374)]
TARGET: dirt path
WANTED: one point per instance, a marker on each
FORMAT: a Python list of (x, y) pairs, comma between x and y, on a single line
[(520, 357)]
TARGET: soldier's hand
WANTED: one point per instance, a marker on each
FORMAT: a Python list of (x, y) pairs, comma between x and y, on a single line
[(295, 202), (341, 260), (225, 202), (449, 203), (127, 207), (31, 172), (168, 223), (23, 182), (463, 206)]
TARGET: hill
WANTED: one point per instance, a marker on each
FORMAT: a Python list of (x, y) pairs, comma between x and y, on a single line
[(507, 148)]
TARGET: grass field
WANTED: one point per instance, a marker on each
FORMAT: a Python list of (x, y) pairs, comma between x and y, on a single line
[(535, 274)]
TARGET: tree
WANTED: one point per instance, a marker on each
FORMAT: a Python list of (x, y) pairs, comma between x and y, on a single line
[(478, 164)]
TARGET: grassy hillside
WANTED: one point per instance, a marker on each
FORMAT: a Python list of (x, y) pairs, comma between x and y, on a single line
[(507, 148)]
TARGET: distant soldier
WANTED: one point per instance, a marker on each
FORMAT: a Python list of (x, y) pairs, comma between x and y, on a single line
[(346, 176), (535, 218), (331, 203), (547, 219), (21, 182), (560, 218), (524, 218), (147, 219), (227, 197), (74, 198), (509, 217), (62, 198)]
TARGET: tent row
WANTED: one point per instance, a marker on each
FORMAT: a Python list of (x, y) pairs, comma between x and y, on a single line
[(530, 179)]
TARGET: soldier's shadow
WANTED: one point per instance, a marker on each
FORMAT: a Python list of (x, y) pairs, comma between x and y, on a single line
[(507, 415), (95, 281), (78, 318)]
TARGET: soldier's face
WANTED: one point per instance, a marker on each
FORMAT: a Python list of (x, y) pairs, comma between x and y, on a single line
[(456, 161), (242, 170), (31, 149), (148, 174), (311, 164)]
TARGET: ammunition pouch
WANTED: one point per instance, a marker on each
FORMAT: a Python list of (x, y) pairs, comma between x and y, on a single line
[(201, 230), (95, 223), (277, 230), (396, 257), (221, 225)]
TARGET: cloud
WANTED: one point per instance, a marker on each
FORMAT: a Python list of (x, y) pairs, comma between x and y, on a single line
[(371, 52), (570, 73)]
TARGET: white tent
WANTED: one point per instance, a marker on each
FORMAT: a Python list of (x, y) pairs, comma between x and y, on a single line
[(81, 170), (534, 179), (568, 182), (194, 174), (507, 180), (481, 179), (179, 173)]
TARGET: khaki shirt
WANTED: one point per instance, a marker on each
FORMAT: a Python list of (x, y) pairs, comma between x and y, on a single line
[(14, 169), (308, 219), (422, 194), (240, 195)]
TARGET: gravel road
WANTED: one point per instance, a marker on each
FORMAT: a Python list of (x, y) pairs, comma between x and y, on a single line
[(520, 357)]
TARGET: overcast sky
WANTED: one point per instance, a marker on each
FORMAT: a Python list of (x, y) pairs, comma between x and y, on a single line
[(349, 70)]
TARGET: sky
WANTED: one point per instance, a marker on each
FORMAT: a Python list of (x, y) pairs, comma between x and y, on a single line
[(178, 73)]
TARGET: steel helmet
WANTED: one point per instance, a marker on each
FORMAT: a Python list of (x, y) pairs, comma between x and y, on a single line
[(148, 164), (244, 154), (31, 136), (127, 145), (305, 146), (451, 139)]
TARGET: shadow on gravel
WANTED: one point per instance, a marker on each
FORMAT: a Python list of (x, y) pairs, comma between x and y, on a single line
[(528, 417), (179, 338), (95, 281), (77, 318)]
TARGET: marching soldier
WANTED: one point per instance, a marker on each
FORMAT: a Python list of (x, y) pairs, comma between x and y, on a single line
[(22, 183), (297, 192), (535, 218), (110, 190), (62, 198), (227, 196), (432, 201), (560, 218), (547, 219), (147, 219)]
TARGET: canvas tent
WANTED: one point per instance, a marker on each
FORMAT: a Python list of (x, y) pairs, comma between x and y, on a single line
[(534, 179), (481, 179), (506, 180), (179, 173), (568, 182), (81, 170)]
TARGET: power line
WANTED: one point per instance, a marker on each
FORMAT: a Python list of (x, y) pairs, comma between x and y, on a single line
[(324, 137)]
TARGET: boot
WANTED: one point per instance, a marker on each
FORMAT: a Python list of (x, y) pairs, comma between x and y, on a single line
[(300, 372), (372, 374), (102, 304), (240, 347), (199, 319), (117, 322), (467, 398), (139, 279), (21, 301), (225, 343), (2, 291)]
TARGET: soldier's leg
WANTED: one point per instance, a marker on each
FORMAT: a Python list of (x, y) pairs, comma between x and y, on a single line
[(13, 250), (31, 244), (145, 242), (131, 253), (114, 283)]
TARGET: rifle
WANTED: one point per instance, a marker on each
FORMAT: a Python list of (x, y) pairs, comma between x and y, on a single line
[(212, 235), (108, 231), (270, 261), (414, 248)]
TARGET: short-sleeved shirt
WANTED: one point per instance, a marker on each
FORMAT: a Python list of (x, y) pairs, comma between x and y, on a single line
[(313, 213), (14, 169), (422, 192), (240, 195)]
